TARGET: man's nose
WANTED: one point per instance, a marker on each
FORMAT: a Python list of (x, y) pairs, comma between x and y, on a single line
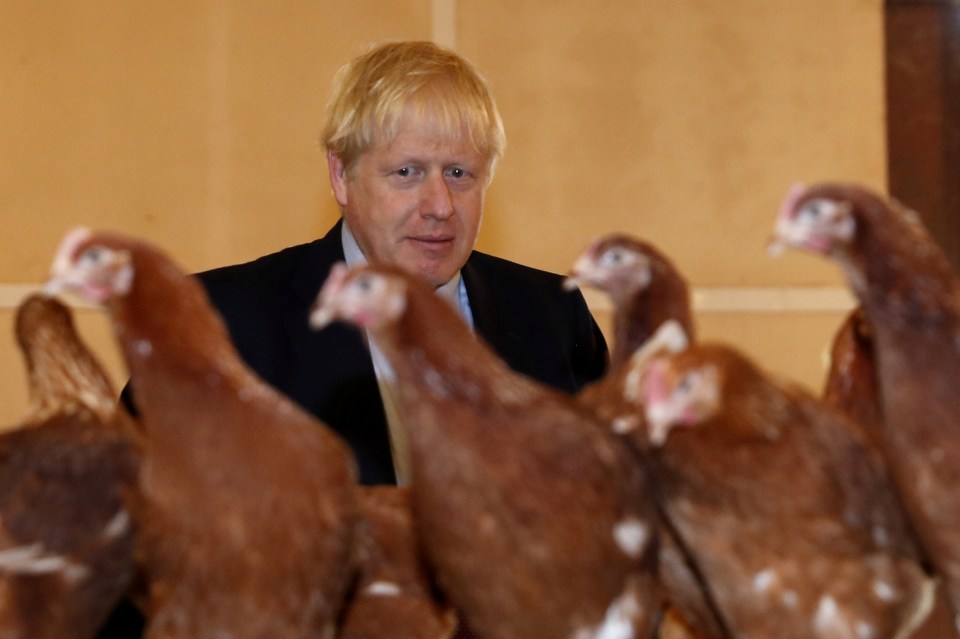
[(436, 200)]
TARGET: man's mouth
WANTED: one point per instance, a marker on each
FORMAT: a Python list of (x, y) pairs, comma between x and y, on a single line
[(432, 240)]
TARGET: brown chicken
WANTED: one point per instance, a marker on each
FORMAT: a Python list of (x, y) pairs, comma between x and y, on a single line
[(911, 299), (535, 519), (646, 290), (645, 287), (67, 475), (648, 293), (393, 597), (249, 503), (786, 507)]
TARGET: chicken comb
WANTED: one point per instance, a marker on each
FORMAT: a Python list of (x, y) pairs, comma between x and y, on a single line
[(655, 393), (668, 338), (655, 386), (574, 279), (323, 312), (796, 192)]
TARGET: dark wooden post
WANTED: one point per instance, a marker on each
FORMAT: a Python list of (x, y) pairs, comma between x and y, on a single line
[(923, 113)]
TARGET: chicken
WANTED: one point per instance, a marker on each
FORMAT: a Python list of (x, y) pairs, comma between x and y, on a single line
[(646, 290), (536, 520), (651, 310), (787, 509), (249, 502), (393, 597), (911, 299), (645, 287), (67, 473)]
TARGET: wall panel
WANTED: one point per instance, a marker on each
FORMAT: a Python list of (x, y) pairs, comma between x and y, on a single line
[(684, 123), (193, 123)]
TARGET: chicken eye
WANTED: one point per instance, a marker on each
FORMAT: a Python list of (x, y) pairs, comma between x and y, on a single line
[(92, 256), (613, 257), (814, 209), (364, 284), (686, 384)]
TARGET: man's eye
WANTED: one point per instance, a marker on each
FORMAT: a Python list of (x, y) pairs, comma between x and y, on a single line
[(405, 171), (457, 172)]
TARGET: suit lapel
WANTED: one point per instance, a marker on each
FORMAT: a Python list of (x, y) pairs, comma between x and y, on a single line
[(331, 373), (492, 322)]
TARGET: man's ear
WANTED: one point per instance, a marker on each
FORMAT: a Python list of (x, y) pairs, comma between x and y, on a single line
[(338, 177)]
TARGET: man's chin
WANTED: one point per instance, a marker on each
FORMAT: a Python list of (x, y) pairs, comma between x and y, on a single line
[(435, 275)]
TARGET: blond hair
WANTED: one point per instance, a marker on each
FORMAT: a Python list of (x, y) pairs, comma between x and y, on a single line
[(372, 93)]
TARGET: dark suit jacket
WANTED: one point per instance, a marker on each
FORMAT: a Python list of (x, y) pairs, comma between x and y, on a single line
[(523, 314), (539, 329)]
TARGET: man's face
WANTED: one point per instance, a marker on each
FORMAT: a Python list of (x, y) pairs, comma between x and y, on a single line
[(415, 202)]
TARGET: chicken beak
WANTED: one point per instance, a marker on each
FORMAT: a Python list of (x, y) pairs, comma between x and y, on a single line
[(52, 288), (658, 410), (321, 316), (571, 283), (61, 279), (578, 274), (776, 246), (659, 424), (324, 310)]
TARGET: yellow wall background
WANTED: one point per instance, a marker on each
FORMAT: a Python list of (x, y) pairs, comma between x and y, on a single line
[(194, 123)]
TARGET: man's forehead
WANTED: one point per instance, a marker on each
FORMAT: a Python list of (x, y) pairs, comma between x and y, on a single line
[(427, 140)]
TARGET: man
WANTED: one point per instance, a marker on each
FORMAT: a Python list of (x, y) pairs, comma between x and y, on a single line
[(412, 137)]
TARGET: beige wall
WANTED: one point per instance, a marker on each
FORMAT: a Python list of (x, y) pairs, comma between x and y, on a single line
[(194, 123)]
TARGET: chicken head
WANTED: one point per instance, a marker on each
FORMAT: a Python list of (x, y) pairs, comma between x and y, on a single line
[(674, 394), (93, 271), (817, 223), (614, 264), (366, 298)]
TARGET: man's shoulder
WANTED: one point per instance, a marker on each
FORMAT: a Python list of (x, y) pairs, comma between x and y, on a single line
[(300, 265), (262, 292), (273, 266)]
